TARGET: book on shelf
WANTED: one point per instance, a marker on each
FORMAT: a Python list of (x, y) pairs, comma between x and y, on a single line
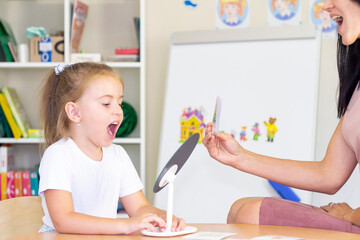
[(6, 36), (18, 184), (78, 24), (3, 179), (34, 183), (13, 51), (16, 132), (17, 110), (10, 184), (5, 130), (26, 184), (7, 161), (137, 29)]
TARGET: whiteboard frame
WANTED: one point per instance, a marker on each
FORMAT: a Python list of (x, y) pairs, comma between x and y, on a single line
[(249, 34)]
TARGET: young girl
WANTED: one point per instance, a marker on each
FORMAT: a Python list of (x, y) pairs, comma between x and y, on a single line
[(82, 174), (326, 176)]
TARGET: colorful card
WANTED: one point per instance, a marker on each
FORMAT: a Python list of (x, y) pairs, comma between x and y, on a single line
[(216, 117)]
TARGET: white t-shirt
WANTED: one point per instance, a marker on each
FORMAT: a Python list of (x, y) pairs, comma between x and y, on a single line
[(95, 186)]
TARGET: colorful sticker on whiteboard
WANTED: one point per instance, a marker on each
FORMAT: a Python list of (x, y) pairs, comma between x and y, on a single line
[(284, 12), (321, 18), (243, 134), (191, 122), (256, 131), (271, 129), (232, 13)]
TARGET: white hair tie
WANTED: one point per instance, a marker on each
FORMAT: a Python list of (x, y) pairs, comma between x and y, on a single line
[(60, 68)]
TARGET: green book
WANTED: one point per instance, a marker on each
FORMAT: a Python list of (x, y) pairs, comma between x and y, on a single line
[(5, 130), (6, 37)]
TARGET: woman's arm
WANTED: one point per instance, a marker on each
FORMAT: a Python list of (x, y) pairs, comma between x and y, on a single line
[(136, 204), (65, 220), (327, 176)]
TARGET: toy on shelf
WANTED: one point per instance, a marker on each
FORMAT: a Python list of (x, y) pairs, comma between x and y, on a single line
[(129, 122)]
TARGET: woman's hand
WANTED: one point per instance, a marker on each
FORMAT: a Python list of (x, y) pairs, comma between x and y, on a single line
[(339, 210), (222, 147)]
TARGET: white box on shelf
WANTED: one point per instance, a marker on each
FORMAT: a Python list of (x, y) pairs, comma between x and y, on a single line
[(7, 158), (85, 57)]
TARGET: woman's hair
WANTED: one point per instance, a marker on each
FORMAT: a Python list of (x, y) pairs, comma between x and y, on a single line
[(348, 63), (67, 86)]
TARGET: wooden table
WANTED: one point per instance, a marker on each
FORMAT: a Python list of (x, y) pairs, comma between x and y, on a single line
[(242, 231)]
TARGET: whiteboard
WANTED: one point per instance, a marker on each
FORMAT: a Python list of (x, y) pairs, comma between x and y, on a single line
[(258, 73)]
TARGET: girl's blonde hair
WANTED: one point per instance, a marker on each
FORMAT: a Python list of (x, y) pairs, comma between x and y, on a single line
[(317, 8), (67, 86)]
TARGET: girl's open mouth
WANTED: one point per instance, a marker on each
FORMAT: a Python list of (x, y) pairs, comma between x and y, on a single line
[(112, 128)]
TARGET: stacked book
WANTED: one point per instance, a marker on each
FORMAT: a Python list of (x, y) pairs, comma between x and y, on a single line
[(14, 121)]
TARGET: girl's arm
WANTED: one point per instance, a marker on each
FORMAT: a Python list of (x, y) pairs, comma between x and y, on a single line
[(327, 176), (136, 204), (65, 220)]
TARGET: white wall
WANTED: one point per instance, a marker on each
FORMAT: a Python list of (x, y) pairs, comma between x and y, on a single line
[(164, 17)]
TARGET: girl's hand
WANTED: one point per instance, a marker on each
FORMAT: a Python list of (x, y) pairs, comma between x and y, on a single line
[(178, 224), (339, 210), (222, 147), (145, 221)]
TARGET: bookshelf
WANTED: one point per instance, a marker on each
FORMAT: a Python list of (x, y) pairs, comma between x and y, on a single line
[(109, 25)]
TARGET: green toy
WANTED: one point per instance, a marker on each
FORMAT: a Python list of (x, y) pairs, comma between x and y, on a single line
[(129, 122)]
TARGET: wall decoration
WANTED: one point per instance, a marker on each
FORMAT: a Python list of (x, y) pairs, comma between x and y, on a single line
[(232, 14), (321, 18), (284, 12), (191, 122), (190, 4)]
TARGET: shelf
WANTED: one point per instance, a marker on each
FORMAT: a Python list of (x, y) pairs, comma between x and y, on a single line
[(18, 65), (41, 140), (27, 77), (22, 140)]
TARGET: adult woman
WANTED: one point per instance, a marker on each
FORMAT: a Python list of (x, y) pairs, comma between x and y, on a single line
[(326, 176)]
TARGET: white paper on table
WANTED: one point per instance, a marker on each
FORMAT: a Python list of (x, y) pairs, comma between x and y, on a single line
[(276, 237), (208, 235)]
